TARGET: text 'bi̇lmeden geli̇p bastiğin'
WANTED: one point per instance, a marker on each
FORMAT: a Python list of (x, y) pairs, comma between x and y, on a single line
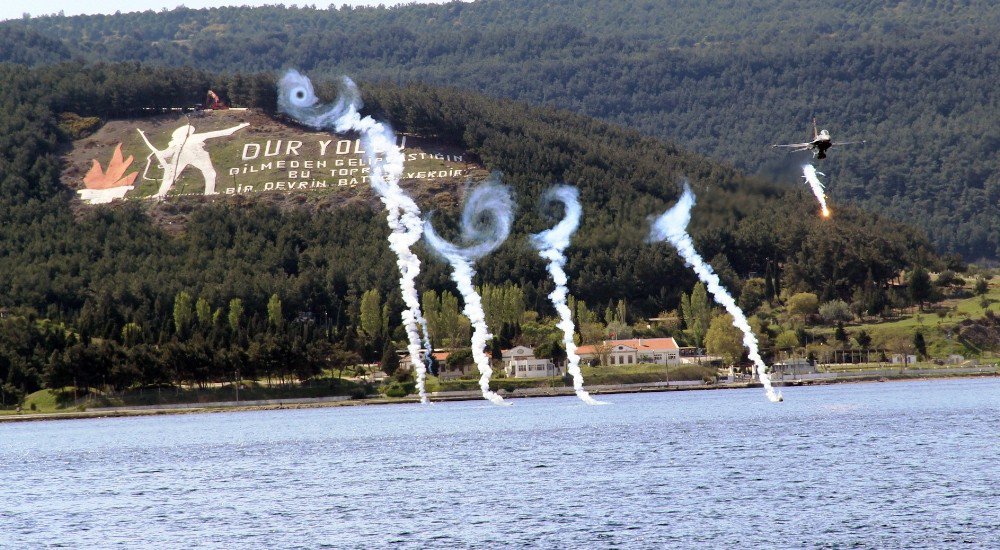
[(323, 163)]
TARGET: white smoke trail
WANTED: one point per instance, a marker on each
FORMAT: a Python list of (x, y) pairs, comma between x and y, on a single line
[(486, 221), (809, 173), (672, 226), (297, 99), (551, 245)]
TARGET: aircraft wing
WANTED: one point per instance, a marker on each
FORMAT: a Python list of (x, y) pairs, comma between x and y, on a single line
[(795, 145), (849, 142)]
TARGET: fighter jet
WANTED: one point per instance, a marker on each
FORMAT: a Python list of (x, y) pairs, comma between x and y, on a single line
[(820, 143)]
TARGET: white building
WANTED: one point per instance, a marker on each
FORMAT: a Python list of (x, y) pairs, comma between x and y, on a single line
[(516, 353), (533, 368), (406, 362), (656, 351), (520, 362), (793, 367)]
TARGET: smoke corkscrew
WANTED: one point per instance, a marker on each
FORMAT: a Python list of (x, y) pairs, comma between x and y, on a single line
[(297, 99), (485, 225), (551, 245)]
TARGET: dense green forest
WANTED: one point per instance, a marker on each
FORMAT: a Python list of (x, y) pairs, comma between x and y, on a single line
[(111, 297), (726, 79)]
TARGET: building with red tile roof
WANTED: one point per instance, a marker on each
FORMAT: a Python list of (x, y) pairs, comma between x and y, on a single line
[(658, 351)]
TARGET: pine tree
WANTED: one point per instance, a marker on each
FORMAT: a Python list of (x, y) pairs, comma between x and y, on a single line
[(919, 286), (920, 344)]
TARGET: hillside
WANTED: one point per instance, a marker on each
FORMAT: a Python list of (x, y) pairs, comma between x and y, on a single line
[(726, 80), (182, 289), (252, 153)]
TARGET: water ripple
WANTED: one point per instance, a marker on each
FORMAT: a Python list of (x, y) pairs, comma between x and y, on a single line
[(849, 466)]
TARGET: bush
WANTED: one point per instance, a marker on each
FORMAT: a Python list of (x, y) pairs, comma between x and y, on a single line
[(752, 295), (691, 372), (459, 359), (803, 303), (835, 311), (399, 389), (76, 127), (982, 286), (946, 278), (359, 393), (786, 340)]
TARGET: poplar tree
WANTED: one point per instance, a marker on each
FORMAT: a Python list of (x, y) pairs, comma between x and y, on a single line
[(430, 306), (371, 314), (204, 311), (451, 318), (183, 312), (275, 317), (235, 316), (697, 313)]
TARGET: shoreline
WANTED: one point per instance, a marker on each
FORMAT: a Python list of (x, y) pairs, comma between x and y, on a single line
[(563, 391)]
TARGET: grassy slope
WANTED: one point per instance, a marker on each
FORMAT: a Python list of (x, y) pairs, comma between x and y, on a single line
[(939, 333)]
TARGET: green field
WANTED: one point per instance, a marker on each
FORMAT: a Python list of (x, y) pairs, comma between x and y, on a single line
[(939, 324)]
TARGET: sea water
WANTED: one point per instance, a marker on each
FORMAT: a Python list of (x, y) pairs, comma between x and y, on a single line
[(901, 464)]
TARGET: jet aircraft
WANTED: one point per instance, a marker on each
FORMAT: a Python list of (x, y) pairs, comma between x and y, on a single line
[(820, 143)]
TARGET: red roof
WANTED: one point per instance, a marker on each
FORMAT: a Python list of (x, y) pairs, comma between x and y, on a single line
[(438, 355), (586, 350), (640, 344), (647, 344)]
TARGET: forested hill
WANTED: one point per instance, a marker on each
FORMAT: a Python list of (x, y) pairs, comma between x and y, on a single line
[(726, 79), (745, 225), (188, 289)]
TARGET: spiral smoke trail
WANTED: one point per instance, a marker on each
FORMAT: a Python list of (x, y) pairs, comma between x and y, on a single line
[(809, 173), (486, 221), (297, 99), (672, 226), (551, 245)]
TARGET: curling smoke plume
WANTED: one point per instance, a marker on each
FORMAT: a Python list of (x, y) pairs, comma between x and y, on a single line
[(297, 99), (551, 245), (486, 221), (672, 226), (809, 173)]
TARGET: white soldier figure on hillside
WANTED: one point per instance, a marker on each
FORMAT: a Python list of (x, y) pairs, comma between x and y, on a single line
[(187, 148)]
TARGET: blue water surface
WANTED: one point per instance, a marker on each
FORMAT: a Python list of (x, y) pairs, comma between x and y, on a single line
[(877, 465)]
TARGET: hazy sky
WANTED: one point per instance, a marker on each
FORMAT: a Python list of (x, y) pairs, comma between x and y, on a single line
[(14, 9)]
